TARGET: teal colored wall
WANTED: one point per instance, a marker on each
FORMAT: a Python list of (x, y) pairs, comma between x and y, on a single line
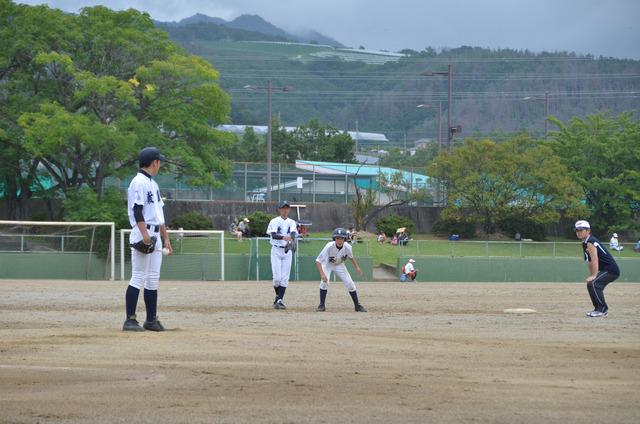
[(54, 265)]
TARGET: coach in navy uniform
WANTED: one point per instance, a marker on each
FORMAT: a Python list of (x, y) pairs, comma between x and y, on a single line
[(602, 267)]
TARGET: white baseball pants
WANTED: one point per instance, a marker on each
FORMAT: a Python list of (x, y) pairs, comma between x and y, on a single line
[(280, 266), (145, 268), (342, 273)]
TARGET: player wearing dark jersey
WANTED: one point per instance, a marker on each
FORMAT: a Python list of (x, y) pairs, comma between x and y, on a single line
[(602, 267)]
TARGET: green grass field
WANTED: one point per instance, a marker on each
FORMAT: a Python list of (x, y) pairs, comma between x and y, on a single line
[(422, 245)]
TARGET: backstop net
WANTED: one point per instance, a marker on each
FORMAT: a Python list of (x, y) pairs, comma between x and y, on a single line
[(57, 250), (197, 255)]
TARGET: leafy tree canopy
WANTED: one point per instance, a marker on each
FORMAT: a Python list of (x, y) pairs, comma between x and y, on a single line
[(603, 156), (82, 94), (488, 182)]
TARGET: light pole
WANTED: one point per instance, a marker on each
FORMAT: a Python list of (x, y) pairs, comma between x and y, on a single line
[(426, 106), (449, 76), (546, 111), (269, 89)]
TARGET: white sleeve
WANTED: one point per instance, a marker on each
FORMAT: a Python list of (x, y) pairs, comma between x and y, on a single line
[(273, 227), (136, 193), (349, 250), (323, 257)]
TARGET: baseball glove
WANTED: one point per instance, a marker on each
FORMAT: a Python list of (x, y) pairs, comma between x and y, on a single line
[(292, 245), (146, 248)]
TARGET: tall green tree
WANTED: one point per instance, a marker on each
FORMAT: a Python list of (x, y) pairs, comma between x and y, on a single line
[(488, 182), (86, 92), (324, 143), (603, 154)]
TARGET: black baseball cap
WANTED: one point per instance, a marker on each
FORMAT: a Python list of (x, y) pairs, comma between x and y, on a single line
[(148, 155), (283, 204)]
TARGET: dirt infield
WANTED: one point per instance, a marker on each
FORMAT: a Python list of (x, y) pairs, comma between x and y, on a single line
[(442, 353)]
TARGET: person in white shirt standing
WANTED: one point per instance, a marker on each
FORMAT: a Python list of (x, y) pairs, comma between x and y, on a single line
[(282, 230), (331, 259), (144, 207)]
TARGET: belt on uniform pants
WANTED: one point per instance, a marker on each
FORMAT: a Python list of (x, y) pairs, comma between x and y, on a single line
[(156, 228), (281, 247)]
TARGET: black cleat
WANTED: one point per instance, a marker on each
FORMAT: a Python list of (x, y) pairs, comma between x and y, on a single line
[(131, 324), (154, 325), (360, 308), (279, 305), (321, 308)]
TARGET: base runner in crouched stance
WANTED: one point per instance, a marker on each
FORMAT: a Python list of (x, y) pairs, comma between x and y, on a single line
[(331, 259)]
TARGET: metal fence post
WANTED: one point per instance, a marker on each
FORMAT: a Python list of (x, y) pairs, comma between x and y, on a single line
[(346, 186), (245, 181)]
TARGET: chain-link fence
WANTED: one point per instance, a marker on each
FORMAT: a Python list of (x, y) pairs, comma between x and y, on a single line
[(248, 182)]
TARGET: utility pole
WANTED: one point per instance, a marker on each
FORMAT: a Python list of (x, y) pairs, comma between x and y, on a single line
[(546, 110), (546, 115), (269, 89), (449, 75), (357, 136), (437, 200)]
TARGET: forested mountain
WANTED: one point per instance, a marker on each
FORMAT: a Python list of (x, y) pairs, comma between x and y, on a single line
[(255, 24), (494, 91)]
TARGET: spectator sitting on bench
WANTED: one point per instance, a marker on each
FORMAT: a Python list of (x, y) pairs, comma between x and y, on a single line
[(403, 237)]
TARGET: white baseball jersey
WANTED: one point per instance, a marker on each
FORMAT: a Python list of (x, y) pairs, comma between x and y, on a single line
[(332, 260), (281, 227), (144, 191), (331, 255), (408, 268)]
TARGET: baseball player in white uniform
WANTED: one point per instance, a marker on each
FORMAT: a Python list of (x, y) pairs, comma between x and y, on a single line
[(144, 206), (282, 230), (331, 259)]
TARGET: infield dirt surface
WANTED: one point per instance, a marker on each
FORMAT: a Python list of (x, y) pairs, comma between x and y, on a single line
[(441, 353)]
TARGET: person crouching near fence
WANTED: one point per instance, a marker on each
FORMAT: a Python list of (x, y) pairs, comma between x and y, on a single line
[(408, 271)]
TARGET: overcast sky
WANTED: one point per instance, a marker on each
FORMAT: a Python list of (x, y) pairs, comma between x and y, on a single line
[(598, 27)]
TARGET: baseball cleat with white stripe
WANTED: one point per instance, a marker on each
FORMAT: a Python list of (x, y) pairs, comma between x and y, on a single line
[(597, 314)]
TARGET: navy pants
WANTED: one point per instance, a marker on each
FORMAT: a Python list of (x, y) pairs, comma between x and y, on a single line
[(596, 289)]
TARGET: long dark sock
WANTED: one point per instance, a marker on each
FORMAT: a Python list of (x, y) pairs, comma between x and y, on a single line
[(323, 296), (354, 296), (281, 292), (151, 302), (131, 300), (276, 290)]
